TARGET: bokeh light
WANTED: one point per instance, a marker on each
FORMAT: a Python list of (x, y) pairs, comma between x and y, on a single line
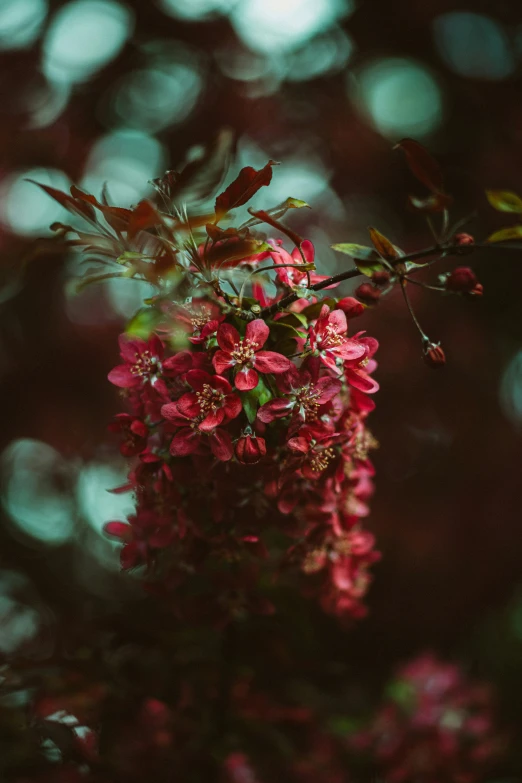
[(25, 208), (83, 36), (511, 390), (96, 503), (21, 22), (273, 26), (153, 98), (195, 10), (400, 97), (36, 490), (474, 45), (124, 160)]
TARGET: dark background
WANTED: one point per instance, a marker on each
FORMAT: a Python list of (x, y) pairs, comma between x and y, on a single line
[(101, 91)]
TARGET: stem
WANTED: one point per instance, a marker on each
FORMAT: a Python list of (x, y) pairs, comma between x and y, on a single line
[(286, 300), (424, 336), (441, 250)]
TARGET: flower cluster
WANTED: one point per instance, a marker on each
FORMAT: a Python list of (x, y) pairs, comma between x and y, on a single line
[(434, 726), (248, 455)]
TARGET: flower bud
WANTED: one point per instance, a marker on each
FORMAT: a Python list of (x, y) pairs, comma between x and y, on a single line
[(464, 243), (250, 449), (462, 280), (434, 356), (381, 277), (350, 307), (367, 294)]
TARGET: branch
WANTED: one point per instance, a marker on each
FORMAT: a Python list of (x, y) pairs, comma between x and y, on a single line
[(441, 250)]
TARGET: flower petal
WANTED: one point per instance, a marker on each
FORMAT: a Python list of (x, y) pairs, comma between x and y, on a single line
[(121, 376), (362, 381), (197, 379), (270, 361), (213, 420), (258, 332), (275, 409), (189, 406), (178, 364), (120, 530), (232, 406), (221, 445), (246, 379), (327, 388), (222, 362), (228, 337), (185, 442)]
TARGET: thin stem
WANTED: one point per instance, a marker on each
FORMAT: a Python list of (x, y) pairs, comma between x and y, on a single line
[(424, 336)]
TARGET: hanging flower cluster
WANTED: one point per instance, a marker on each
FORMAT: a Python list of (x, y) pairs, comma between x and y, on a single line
[(236, 444)]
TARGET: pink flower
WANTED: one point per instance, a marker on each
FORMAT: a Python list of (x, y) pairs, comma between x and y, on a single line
[(145, 532), (328, 340), (188, 439), (142, 362), (357, 371), (211, 403), (292, 276), (303, 397), (135, 433), (245, 355)]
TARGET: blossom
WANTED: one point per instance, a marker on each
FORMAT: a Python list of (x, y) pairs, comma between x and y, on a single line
[(187, 439), (328, 340), (211, 403), (302, 398), (145, 532), (144, 364), (357, 371), (245, 356), (135, 433), (291, 276), (250, 449)]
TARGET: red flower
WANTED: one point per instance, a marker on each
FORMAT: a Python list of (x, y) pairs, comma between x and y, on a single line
[(145, 532), (303, 397), (135, 433), (199, 317), (250, 449), (292, 276), (245, 354), (211, 403), (357, 372), (188, 439), (144, 364), (328, 340)]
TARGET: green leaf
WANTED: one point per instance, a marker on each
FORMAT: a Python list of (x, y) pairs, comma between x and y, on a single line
[(254, 398), (513, 232), (504, 201), (143, 323), (366, 259)]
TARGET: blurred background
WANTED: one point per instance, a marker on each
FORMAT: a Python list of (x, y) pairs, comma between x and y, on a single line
[(96, 91)]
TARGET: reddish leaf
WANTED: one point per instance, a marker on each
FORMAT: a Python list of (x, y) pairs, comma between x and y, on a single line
[(264, 217), (142, 217), (216, 233), (65, 200), (422, 165), (232, 252), (383, 245), (241, 190)]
